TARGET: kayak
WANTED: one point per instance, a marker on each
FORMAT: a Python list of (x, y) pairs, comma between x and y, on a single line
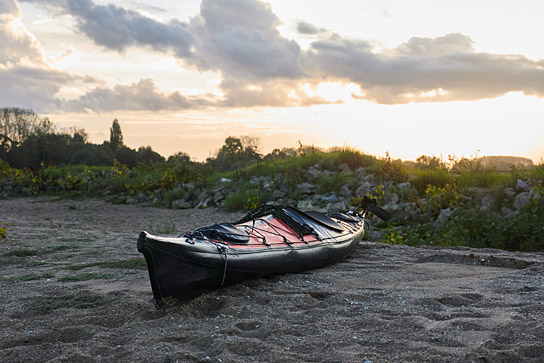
[(268, 240)]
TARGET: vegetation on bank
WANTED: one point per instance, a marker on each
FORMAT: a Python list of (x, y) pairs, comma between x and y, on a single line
[(441, 203)]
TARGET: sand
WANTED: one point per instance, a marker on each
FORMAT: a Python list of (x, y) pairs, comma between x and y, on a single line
[(74, 288)]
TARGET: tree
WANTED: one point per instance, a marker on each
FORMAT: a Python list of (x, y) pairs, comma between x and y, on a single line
[(18, 124), (428, 162), (116, 136), (237, 153), (147, 155), (126, 156)]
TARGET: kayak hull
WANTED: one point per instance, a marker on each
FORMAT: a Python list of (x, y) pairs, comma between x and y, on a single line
[(182, 268)]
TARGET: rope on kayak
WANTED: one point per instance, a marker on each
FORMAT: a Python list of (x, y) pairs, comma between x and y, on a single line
[(222, 250)]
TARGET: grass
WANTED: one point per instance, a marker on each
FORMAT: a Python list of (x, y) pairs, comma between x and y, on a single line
[(162, 228), (136, 263), (30, 277), (85, 277), (46, 304), (45, 251)]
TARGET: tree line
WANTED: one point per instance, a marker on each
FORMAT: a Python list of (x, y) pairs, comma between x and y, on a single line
[(28, 140)]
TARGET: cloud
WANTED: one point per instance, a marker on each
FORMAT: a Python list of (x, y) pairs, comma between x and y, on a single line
[(31, 87), (258, 66), (24, 75), (310, 29), (139, 96), (424, 69), (17, 45)]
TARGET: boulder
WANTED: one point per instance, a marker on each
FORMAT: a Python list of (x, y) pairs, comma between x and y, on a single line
[(520, 184), (404, 186), (278, 193), (218, 197), (305, 205), (444, 215), (345, 191), (313, 174), (488, 201), (330, 198), (522, 200), (509, 192), (307, 188), (181, 204)]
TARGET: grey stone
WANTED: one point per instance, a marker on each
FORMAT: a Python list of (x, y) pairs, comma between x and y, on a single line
[(442, 217), (404, 186), (391, 199), (520, 184), (507, 212), (307, 188), (345, 191), (509, 192), (333, 198), (204, 204), (190, 186), (181, 204), (339, 206), (203, 196), (305, 205), (361, 190), (522, 200), (488, 201), (278, 193), (313, 174), (217, 197)]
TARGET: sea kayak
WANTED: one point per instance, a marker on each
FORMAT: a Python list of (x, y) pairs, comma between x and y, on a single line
[(269, 240)]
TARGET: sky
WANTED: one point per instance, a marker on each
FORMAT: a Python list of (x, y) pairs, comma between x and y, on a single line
[(421, 77)]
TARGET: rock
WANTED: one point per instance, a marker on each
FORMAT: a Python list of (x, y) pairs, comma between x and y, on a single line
[(190, 186), (404, 186), (488, 201), (313, 174), (442, 217), (339, 206), (330, 198), (132, 200), (225, 180), (507, 212), (522, 200), (305, 205), (391, 199), (203, 196), (218, 197), (278, 193), (362, 190), (307, 188), (204, 204), (181, 204), (345, 191), (509, 192), (520, 184)]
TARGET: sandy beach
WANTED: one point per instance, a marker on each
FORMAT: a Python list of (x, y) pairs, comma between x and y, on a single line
[(75, 288)]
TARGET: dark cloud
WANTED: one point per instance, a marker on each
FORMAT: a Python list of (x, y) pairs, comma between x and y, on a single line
[(140, 96), (31, 87), (310, 29), (117, 28)]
